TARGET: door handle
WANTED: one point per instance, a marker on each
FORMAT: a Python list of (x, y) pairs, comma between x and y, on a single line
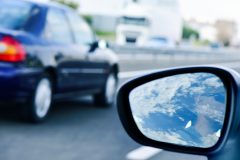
[(58, 56)]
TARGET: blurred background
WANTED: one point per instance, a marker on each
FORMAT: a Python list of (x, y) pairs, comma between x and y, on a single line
[(146, 35), (179, 22)]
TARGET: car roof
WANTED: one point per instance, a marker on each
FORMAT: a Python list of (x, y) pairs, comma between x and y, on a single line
[(48, 3)]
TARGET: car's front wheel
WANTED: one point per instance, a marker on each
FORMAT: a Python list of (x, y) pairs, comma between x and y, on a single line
[(107, 95), (39, 104)]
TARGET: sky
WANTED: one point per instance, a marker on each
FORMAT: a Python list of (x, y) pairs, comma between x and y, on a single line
[(211, 10), (203, 10)]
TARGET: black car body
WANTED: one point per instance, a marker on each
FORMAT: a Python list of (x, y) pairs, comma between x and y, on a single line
[(50, 40)]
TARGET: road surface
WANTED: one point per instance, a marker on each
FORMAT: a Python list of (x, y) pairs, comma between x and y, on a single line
[(78, 130)]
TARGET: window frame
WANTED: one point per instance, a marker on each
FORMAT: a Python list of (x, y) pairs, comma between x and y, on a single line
[(74, 33), (46, 25)]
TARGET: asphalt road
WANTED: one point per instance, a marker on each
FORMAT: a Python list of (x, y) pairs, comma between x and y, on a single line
[(75, 129)]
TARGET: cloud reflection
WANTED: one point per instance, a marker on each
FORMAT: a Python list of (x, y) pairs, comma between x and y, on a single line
[(163, 108)]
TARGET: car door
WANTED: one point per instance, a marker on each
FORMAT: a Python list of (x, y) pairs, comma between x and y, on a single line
[(59, 34), (87, 73)]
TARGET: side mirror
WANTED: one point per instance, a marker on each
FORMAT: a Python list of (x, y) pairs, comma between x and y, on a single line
[(189, 110), (102, 44)]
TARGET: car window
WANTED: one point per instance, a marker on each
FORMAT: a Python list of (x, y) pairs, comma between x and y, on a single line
[(82, 32), (57, 27), (17, 14)]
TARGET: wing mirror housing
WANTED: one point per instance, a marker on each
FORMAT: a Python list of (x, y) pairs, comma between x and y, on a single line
[(101, 44), (191, 110)]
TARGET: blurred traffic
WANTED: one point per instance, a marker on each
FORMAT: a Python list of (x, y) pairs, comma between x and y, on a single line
[(48, 51), (162, 23)]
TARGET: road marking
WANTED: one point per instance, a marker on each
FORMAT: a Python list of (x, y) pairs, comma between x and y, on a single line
[(143, 153), (130, 74)]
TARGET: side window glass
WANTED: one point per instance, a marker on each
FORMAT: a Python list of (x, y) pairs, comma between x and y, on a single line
[(82, 32), (57, 28)]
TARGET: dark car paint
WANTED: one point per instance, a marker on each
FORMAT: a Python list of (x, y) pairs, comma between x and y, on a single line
[(71, 66)]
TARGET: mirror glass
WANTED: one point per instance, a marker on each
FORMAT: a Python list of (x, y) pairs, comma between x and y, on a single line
[(184, 109)]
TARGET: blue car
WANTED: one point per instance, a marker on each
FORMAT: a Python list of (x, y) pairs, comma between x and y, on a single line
[(48, 51)]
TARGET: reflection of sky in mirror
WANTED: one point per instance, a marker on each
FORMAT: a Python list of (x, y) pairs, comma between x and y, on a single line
[(185, 109)]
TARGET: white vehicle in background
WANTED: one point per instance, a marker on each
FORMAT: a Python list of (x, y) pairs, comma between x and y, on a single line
[(151, 23)]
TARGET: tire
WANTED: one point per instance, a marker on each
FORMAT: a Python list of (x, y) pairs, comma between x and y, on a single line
[(38, 106), (107, 96)]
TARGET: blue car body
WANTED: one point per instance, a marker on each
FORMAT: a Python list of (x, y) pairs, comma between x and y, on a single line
[(73, 66)]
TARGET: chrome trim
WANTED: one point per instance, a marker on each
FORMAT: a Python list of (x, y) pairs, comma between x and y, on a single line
[(85, 70)]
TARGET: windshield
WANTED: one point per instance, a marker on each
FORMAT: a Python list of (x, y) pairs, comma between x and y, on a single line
[(169, 3), (134, 21), (14, 15)]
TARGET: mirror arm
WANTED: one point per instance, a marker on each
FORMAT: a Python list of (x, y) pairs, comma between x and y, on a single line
[(229, 152)]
